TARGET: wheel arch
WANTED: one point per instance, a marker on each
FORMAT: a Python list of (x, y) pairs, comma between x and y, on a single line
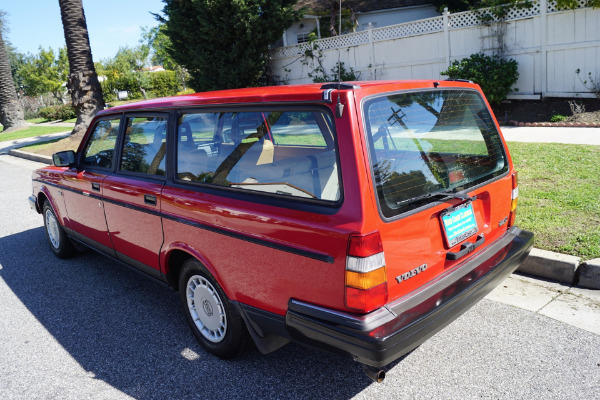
[(41, 199), (177, 254), (45, 195)]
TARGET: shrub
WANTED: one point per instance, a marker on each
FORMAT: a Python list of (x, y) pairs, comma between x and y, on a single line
[(495, 75), (164, 83), (187, 91), (156, 84), (62, 112), (131, 83), (558, 118)]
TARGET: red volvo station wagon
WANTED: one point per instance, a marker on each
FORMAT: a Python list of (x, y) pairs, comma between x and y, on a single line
[(358, 218)]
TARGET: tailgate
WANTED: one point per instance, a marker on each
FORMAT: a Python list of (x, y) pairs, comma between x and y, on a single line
[(441, 175)]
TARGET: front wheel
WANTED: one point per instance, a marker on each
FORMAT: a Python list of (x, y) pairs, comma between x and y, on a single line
[(59, 242), (214, 322)]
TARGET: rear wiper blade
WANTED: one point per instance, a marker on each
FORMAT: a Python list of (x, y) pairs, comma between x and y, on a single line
[(462, 196)]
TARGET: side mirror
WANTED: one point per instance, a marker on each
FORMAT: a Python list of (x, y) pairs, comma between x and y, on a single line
[(64, 158)]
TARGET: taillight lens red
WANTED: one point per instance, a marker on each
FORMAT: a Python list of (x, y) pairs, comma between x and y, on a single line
[(366, 279), (365, 246), (366, 300), (514, 200)]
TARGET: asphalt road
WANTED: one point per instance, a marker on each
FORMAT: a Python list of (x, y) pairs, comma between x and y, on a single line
[(88, 328)]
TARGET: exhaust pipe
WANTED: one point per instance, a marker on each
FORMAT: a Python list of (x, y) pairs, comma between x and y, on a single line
[(376, 375)]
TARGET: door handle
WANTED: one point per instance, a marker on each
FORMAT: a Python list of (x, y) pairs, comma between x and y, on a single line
[(96, 186), (150, 199)]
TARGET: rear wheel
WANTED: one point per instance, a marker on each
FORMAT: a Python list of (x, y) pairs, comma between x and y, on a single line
[(214, 322), (59, 242)]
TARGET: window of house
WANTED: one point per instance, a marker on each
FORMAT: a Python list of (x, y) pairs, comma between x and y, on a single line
[(302, 37)]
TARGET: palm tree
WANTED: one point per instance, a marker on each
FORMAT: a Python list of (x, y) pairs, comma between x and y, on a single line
[(11, 111), (83, 84)]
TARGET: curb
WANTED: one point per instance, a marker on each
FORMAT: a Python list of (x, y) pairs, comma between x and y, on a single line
[(552, 124), (554, 266), (540, 263), (30, 156), (589, 274), (562, 268)]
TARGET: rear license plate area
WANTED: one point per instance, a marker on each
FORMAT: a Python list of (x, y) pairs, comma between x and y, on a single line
[(459, 224)]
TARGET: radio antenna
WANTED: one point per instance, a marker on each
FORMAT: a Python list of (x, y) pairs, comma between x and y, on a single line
[(340, 46), (339, 107)]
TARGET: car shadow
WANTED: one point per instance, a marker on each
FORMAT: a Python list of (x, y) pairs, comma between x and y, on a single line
[(129, 331)]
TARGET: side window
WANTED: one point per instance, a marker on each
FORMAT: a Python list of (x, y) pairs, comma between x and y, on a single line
[(100, 148), (145, 145), (290, 153)]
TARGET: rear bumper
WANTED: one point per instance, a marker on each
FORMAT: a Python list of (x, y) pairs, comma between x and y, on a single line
[(388, 333)]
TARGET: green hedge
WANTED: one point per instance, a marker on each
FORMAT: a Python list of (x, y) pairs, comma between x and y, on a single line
[(164, 83), (495, 75), (62, 112), (156, 84)]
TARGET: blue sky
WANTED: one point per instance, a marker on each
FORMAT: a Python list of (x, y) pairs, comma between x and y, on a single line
[(111, 24)]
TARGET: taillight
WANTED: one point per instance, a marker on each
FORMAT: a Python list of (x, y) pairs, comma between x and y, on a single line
[(514, 199), (366, 280)]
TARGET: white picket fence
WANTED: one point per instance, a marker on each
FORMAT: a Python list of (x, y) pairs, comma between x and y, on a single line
[(549, 45)]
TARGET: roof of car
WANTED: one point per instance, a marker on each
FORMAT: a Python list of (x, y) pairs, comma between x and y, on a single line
[(271, 94)]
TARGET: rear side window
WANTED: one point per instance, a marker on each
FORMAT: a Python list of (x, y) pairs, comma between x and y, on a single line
[(289, 153), (100, 148), (427, 142), (145, 145)]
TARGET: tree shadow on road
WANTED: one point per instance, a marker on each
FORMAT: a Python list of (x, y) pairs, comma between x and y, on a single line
[(130, 332)]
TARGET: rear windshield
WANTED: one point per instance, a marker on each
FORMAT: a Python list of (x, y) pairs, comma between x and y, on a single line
[(424, 143)]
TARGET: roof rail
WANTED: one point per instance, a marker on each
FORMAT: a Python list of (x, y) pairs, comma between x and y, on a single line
[(340, 86), (459, 80)]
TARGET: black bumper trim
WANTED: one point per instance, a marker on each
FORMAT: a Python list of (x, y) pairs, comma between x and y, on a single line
[(385, 335), (33, 204)]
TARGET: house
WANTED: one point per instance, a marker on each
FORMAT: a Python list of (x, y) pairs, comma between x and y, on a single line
[(153, 68), (366, 14)]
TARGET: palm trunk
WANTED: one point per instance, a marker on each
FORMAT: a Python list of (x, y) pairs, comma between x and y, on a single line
[(83, 84), (11, 110)]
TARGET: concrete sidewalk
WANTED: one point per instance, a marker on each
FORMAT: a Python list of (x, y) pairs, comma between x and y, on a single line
[(571, 305), (567, 135), (8, 145)]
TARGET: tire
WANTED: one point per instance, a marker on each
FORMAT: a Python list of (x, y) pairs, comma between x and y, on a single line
[(210, 315), (57, 238)]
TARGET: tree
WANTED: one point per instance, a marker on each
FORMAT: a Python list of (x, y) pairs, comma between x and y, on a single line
[(83, 84), (11, 111), (45, 73), (17, 60), (125, 72), (225, 43), (159, 43)]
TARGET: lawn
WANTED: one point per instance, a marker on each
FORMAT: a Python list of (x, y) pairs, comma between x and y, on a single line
[(31, 132), (559, 196)]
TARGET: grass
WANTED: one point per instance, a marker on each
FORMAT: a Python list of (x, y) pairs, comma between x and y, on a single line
[(35, 148), (559, 193), (35, 120), (121, 102), (31, 132)]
